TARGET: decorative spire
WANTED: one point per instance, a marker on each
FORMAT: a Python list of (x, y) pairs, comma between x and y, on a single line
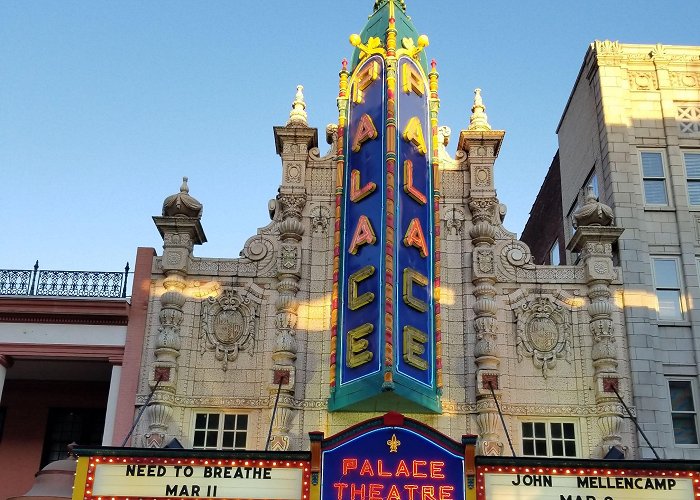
[(593, 212), (478, 120), (297, 116), (378, 3), (182, 204)]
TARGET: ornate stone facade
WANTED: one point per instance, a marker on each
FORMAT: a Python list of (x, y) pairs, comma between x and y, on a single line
[(252, 335)]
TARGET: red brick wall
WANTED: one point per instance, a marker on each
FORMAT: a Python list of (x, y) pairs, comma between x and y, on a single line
[(27, 404)]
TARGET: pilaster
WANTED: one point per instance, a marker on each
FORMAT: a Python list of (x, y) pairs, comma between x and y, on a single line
[(594, 239), (481, 145), (293, 143), (181, 229)]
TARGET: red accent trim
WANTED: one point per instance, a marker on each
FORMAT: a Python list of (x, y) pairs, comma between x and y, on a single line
[(97, 461), (481, 470), (6, 361), (133, 348), (64, 311), (71, 351), (393, 418)]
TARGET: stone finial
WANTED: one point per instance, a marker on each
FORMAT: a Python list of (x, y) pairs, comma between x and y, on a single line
[(182, 204), (593, 212), (297, 116), (478, 120)]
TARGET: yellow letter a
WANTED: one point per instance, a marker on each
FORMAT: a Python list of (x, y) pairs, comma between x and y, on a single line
[(413, 133), (414, 237), (366, 131), (364, 234)]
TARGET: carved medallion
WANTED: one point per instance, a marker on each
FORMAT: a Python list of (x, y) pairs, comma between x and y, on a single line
[(228, 326), (544, 333)]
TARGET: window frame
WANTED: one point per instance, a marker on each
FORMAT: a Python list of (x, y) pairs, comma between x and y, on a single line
[(220, 429), (688, 180), (680, 288), (555, 253), (593, 176), (693, 395), (664, 178), (548, 436)]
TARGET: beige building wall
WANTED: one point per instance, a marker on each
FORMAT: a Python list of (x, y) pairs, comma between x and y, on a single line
[(630, 99), (219, 329)]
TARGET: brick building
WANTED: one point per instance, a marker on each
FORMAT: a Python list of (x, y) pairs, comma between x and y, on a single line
[(70, 344)]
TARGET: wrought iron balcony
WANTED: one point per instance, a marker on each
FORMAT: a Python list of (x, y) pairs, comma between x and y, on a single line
[(77, 284)]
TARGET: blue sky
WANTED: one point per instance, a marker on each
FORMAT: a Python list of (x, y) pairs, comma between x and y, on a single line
[(105, 105)]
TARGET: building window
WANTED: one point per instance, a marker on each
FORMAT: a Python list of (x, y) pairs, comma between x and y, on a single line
[(554, 254), (83, 426), (692, 175), (667, 284), (683, 414), (549, 439), (654, 178), (220, 431), (593, 182)]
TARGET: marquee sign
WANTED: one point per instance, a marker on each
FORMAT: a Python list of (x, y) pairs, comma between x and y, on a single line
[(385, 324), (155, 474), (391, 458), (616, 481)]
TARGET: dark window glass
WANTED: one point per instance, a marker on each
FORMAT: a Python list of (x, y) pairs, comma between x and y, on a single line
[(201, 421), (557, 448), (240, 440), (570, 448), (540, 430), (556, 431), (569, 431), (84, 426), (198, 439), (213, 421), (541, 447)]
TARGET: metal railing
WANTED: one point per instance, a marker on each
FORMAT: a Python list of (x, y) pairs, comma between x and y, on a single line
[(50, 283)]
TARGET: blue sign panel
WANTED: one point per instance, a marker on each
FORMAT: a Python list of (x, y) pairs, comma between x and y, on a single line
[(392, 463), (361, 280), (415, 312)]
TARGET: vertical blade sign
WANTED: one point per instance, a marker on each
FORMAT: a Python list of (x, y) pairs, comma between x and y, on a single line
[(385, 356)]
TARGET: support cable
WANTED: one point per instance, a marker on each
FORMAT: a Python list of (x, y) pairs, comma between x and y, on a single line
[(634, 420), (143, 408), (503, 421), (274, 411)]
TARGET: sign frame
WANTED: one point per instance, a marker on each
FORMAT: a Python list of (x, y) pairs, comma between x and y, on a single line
[(140, 459), (529, 473)]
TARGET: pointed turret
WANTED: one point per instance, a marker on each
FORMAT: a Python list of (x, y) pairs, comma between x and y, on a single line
[(297, 116), (478, 120), (373, 36)]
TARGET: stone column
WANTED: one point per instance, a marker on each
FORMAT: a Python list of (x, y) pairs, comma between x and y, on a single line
[(110, 414), (181, 229), (481, 145), (6, 363), (594, 238), (293, 143)]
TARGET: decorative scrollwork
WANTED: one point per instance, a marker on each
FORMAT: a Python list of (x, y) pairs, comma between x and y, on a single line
[(79, 284), (228, 326), (15, 282), (332, 140), (543, 333)]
